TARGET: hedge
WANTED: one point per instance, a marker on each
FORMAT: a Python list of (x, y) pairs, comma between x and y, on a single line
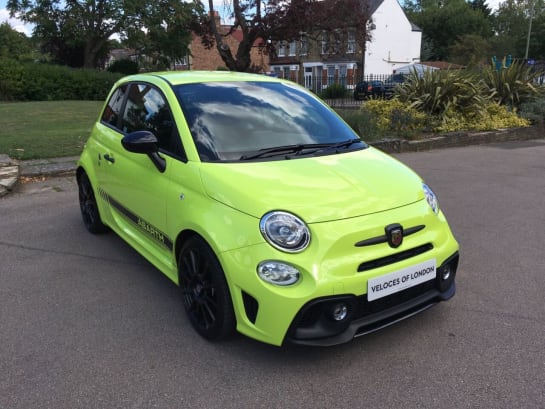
[(44, 82)]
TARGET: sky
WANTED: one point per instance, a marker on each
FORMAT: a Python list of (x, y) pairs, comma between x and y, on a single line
[(16, 24), (21, 27)]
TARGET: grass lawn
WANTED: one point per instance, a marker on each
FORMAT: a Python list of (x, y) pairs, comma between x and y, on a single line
[(36, 130)]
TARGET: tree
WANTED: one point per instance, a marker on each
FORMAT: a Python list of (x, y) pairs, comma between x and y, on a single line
[(167, 34), (470, 50), (512, 21), (14, 44), (76, 32), (443, 22), (277, 20)]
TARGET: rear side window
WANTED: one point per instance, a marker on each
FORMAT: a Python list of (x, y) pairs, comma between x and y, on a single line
[(112, 112)]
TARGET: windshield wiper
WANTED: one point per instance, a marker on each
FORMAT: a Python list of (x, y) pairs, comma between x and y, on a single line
[(283, 150), (299, 148), (338, 145)]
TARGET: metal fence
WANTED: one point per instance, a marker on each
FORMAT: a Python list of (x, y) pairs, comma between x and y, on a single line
[(338, 91)]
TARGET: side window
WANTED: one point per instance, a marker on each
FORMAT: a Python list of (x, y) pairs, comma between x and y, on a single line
[(112, 111), (147, 110)]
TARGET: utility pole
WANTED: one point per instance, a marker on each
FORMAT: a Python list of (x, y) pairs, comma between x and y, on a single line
[(529, 28)]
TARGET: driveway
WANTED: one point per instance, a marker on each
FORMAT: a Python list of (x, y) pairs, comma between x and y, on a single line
[(85, 322)]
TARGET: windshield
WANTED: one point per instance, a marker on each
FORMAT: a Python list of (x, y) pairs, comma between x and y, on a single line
[(232, 121)]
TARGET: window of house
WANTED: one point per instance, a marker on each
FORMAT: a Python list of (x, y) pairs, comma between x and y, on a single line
[(286, 70), (330, 74), (293, 48), (337, 41), (351, 43), (342, 74), (282, 49), (304, 45), (325, 43)]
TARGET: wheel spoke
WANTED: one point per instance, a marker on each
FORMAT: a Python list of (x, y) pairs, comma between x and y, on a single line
[(194, 264)]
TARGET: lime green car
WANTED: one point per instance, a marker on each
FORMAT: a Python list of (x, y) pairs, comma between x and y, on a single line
[(264, 207)]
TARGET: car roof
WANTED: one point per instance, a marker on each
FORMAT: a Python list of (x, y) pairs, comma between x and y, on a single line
[(188, 77)]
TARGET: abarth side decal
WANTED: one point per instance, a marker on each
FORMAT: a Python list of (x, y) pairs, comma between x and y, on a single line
[(143, 225)]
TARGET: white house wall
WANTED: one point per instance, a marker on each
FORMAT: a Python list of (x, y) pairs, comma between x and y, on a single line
[(393, 42)]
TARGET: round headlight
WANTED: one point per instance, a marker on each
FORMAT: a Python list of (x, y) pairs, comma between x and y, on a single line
[(431, 198), (285, 231)]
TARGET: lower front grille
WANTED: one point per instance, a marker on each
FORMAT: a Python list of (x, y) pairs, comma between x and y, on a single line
[(364, 307), (318, 324)]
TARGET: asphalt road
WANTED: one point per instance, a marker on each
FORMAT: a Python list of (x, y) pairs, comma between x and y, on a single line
[(85, 322)]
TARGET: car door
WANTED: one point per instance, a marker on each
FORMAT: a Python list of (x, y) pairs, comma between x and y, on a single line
[(134, 186)]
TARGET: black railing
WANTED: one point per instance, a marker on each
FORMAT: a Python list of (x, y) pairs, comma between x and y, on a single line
[(339, 90)]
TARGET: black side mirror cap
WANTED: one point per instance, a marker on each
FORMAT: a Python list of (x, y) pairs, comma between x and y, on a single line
[(145, 142), (141, 142)]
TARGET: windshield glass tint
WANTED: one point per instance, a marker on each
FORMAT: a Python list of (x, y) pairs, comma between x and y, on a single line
[(231, 119)]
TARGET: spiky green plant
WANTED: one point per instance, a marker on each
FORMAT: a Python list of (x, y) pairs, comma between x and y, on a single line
[(511, 86), (439, 92)]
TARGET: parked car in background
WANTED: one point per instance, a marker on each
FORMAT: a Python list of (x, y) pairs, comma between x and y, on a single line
[(369, 89), (389, 85), (272, 216)]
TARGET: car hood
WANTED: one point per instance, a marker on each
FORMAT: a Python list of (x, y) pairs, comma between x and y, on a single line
[(317, 189)]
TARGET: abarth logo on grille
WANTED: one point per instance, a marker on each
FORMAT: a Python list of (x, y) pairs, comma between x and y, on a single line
[(394, 234)]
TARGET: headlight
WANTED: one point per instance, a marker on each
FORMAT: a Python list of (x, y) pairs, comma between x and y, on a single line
[(285, 231), (431, 198)]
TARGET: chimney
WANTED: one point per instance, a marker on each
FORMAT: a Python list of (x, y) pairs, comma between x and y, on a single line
[(216, 17)]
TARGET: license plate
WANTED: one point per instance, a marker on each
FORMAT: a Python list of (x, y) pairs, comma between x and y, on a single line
[(400, 280)]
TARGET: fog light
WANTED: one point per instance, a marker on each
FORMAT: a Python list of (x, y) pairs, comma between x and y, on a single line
[(339, 312), (278, 273), (445, 274)]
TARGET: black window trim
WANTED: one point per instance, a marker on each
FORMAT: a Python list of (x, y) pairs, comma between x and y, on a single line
[(117, 127)]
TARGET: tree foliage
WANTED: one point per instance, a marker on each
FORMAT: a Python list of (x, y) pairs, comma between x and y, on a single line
[(14, 44), (167, 35), (512, 21), (471, 51), (454, 27), (76, 32), (443, 22)]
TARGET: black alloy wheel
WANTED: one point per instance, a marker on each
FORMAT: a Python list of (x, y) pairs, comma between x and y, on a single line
[(88, 206), (205, 293)]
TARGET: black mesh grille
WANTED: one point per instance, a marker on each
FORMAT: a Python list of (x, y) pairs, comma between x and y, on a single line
[(364, 307), (394, 258)]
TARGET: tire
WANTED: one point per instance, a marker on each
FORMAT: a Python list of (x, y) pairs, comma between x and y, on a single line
[(88, 206), (205, 293)]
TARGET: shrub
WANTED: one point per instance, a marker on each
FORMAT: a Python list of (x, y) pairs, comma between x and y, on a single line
[(11, 79), (363, 123), (394, 117), (494, 116), (533, 110), (334, 91), (124, 66), (44, 82), (440, 92), (511, 86)]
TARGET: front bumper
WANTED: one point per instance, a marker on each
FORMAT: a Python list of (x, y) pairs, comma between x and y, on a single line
[(343, 256), (315, 326)]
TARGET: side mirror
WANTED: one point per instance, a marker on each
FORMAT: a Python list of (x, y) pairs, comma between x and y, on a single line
[(145, 142), (140, 142)]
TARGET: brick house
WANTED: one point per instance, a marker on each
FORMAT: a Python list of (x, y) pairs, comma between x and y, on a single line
[(203, 59), (395, 42)]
